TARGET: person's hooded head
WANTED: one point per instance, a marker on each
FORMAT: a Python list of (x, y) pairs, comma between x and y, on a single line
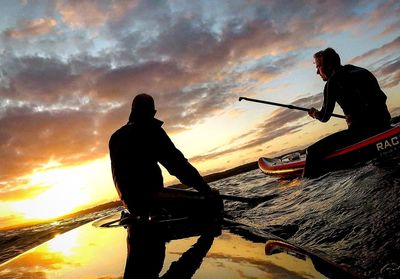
[(143, 109)]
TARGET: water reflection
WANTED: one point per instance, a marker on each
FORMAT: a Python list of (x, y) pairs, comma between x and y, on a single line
[(147, 245), (64, 243), (79, 253), (304, 263), (186, 250)]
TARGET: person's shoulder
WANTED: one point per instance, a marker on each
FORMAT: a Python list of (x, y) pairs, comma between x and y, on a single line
[(349, 68), (156, 127), (121, 131), (359, 73), (157, 123)]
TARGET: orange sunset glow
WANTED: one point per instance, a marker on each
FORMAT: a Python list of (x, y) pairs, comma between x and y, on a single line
[(70, 69)]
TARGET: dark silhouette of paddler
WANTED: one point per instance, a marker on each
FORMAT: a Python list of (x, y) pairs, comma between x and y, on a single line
[(136, 149)]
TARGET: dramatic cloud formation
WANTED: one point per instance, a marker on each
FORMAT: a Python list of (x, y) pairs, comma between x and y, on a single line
[(69, 70), (281, 122)]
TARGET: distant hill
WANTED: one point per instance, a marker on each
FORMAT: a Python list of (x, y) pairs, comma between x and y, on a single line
[(108, 205), (235, 171), (104, 206), (224, 174)]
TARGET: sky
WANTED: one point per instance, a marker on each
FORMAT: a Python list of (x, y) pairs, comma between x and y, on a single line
[(70, 69)]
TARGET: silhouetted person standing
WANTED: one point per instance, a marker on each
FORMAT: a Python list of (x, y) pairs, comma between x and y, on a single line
[(363, 102), (135, 151)]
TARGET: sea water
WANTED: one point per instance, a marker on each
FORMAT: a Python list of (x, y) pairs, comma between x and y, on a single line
[(351, 217)]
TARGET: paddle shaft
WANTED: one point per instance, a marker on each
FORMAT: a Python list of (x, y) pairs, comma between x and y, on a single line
[(247, 199), (282, 105), (230, 197)]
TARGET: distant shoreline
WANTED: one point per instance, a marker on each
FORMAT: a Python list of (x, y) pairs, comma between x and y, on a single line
[(224, 174), (208, 178)]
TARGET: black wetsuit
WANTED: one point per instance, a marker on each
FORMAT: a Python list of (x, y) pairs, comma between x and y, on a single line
[(363, 102), (135, 151)]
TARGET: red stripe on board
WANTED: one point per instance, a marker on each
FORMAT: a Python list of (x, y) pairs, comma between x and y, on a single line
[(365, 142), (279, 167)]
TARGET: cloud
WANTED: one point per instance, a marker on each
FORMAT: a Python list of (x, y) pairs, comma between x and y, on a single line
[(31, 28), (393, 28), (194, 45), (388, 70), (282, 117), (282, 122), (63, 103), (29, 139), (40, 80), (257, 140), (388, 10), (391, 47), (18, 193), (7, 219), (390, 73), (87, 13)]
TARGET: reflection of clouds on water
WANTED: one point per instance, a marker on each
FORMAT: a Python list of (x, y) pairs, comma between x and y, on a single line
[(84, 250), (250, 267), (51, 256), (38, 260)]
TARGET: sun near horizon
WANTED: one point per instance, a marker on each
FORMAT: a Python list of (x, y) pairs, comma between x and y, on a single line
[(69, 72), (65, 190)]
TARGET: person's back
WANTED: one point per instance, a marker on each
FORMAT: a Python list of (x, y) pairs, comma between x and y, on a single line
[(360, 97), (135, 151)]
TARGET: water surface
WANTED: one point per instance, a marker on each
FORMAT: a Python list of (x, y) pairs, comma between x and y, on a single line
[(351, 216)]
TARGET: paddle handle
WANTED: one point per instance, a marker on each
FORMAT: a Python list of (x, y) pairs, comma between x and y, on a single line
[(282, 105)]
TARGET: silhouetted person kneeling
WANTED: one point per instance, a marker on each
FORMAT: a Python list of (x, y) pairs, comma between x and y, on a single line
[(135, 151)]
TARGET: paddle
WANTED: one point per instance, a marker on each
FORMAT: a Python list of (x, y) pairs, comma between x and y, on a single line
[(253, 200), (282, 105)]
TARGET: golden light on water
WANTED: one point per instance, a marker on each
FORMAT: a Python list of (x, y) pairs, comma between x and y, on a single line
[(80, 253), (64, 243), (94, 252)]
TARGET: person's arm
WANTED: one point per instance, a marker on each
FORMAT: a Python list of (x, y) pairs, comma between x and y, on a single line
[(176, 164), (326, 111)]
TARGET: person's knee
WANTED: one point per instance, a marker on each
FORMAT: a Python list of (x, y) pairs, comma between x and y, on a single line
[(310, 153)]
